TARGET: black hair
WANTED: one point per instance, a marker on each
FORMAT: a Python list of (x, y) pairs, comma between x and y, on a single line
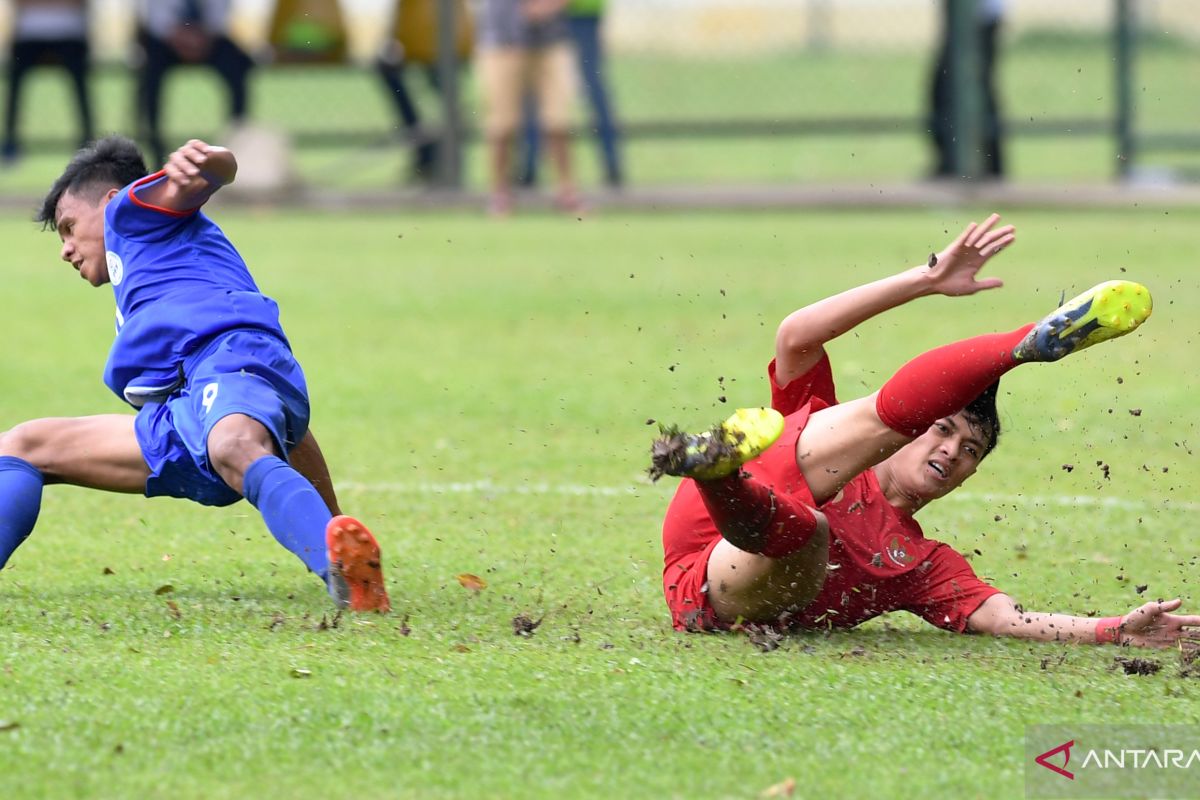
[(111, 162), (981, 413)]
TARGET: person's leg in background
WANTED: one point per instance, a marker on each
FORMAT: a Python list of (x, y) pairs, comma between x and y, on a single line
[(22, 57), (531, 142), (233, 65), (157, 60), (589, 50), (501, 73), (75, 55), (554, 81), (939, 122), (425, 160), (993, 127), (390, 72)]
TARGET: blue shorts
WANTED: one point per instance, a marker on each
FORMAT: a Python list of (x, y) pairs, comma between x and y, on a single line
[(243, 372)]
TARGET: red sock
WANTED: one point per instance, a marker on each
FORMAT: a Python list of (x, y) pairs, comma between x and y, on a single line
[(943, 381), (755, 519)]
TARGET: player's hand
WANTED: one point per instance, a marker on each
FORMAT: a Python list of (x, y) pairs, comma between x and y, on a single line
[(193, 166), (952, 271), (1151, 625)]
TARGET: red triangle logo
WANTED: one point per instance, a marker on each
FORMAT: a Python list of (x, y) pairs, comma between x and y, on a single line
[(1065, 749)]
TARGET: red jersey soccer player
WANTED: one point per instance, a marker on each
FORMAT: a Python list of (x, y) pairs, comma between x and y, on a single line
[(801, 515)]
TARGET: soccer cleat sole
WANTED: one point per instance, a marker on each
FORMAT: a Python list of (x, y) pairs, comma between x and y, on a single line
[(355, 571), (1106, 311), (719, 452)]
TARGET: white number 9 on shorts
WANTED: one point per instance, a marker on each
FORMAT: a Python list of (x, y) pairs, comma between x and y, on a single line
[(209, 396)]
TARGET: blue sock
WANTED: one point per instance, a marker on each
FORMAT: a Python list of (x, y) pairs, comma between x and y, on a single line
[(20, 501), (293, 510)]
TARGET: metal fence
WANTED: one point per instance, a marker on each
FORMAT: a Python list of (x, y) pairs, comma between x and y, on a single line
[(721, 91)]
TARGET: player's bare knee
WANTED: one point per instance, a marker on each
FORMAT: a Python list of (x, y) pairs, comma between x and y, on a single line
[(27, 441), (231, 456), (233, 448)]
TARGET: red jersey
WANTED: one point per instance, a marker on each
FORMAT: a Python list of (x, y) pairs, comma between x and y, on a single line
[(879, 559)]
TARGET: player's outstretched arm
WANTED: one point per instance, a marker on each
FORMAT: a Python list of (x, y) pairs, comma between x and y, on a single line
[(1148, 625), (194, 173), (799, 342)]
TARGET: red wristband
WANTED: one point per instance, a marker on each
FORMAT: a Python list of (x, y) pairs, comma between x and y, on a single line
[(1108, 630)]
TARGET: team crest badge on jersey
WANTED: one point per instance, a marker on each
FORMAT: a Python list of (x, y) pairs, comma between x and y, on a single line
[(116, 270), (898, 553)]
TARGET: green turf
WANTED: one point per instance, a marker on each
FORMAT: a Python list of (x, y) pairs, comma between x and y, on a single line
[(482, 393)]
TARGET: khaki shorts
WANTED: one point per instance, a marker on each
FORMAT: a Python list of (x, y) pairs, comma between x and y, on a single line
[(506, 73)]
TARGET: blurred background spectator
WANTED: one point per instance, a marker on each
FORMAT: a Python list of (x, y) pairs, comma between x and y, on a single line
[(47, 32), (414, 43), (585, 19), (175, 32), (986, 31), (711, 93), (524, 47)]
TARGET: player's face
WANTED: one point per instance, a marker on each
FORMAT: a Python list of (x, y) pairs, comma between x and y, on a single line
[(938, 461), (80, 225)]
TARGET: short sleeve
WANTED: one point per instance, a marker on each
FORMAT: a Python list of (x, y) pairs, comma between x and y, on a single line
[(132, 218), (945, 591), (816, 384)]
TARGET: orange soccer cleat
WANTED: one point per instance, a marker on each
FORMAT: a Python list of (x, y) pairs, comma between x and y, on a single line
[(355, 572)]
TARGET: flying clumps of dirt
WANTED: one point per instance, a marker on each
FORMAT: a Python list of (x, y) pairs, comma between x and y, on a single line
[(669, 453)]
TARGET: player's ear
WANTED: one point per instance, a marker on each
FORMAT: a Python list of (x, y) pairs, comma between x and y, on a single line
[(111, 193)]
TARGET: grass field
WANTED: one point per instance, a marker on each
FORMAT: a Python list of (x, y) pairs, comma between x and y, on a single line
[(482, 392)]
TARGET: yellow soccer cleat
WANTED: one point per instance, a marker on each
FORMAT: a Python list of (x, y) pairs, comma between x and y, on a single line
[(719, 452), (1106, 311)]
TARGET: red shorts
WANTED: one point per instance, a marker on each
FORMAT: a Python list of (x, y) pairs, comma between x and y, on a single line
[(686, 585), (689, 535)]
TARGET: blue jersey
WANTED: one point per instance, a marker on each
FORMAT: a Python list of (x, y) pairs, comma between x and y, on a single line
[(178, 284)]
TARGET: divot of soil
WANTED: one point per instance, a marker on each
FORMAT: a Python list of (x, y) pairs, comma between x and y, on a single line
[(523, 625), (1189, 657), (1138, 666), (330, 624), (764, 637)]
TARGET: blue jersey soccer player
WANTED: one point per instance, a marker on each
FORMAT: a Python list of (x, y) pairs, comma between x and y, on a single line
[(222, 403)]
